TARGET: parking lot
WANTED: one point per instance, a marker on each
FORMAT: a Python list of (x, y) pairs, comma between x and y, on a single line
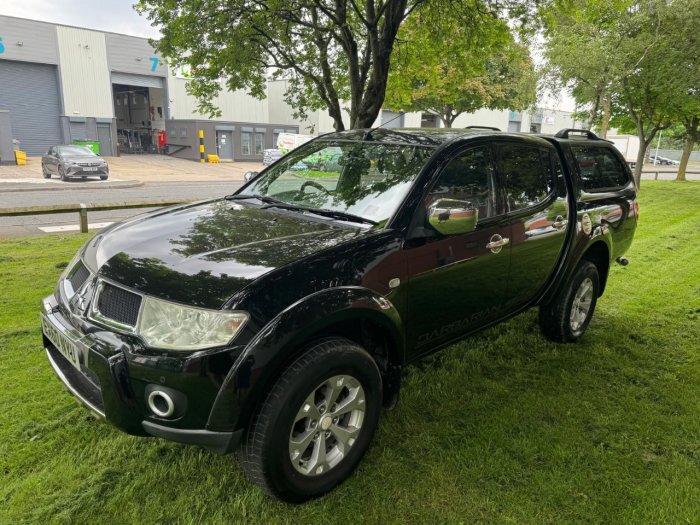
[(142, 168)]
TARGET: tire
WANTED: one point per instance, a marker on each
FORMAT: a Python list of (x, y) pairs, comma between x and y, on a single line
[(580, 295), (62, 174), (45, 172), (103, 177), (267, 451)]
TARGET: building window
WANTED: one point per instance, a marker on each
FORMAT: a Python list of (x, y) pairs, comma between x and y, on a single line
[(183, 133), (259, 141), (246, 146), (429, 120)]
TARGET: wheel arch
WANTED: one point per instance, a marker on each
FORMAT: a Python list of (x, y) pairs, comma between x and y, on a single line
[(357, 314), (599, 254)]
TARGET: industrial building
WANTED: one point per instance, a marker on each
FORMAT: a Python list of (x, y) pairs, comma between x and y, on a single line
[(61, 83)]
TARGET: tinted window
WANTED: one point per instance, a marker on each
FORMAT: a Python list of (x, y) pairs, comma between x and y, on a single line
[(599, 168), (469, 177), (528, 182)]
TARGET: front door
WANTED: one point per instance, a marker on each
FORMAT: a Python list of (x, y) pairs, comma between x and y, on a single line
[(224, 144), (460, 281)]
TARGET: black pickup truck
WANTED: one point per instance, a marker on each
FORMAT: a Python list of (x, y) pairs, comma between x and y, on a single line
[(279, 318)]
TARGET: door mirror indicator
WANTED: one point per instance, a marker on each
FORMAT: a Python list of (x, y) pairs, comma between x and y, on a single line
[(451, 216)]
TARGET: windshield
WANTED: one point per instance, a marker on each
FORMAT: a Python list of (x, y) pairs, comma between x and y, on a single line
[(75, 151), (368, 180)]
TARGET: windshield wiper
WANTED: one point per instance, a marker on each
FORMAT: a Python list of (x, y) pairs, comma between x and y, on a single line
[(333, 214), (342, 215), (263, 198)]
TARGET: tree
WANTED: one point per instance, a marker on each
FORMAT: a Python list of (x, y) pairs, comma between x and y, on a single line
[(581, 39), (333, 52), (682, 50), (453, 67), (627, 42)]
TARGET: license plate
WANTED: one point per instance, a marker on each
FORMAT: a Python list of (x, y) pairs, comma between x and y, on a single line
[(62, 343), (89, 169)]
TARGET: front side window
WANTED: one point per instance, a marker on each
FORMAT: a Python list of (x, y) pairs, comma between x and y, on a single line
[(599, 168), (527, 181), (469, 178), (368, 180)]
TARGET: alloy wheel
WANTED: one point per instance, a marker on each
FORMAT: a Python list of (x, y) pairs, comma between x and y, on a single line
[(327, 425)]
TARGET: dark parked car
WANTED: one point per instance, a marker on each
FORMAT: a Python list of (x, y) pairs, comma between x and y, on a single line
[(279, 318), (72, 161)]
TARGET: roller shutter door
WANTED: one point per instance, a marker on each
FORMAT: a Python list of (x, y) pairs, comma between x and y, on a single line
[(30, 93), (129, 79)]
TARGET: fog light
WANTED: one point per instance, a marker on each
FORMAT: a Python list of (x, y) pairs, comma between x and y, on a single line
[(161, 404)]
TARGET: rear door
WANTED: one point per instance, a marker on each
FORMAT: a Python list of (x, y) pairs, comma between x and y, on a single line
[(460, 281), (606, 182), (537, 213)]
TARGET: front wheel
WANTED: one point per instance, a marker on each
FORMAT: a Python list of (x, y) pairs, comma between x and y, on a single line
[(62, 174), (316, 423), (45, 172), (566, 317)]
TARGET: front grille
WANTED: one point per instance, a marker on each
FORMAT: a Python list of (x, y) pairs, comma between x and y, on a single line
[(80, 275), (119, 305)]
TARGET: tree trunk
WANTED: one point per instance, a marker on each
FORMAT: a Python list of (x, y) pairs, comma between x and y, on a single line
[(643, 147), (687, 150), (447, 120), (605, 124), (640, 162)]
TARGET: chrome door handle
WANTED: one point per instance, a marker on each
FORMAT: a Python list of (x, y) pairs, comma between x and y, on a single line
[(496, 243)]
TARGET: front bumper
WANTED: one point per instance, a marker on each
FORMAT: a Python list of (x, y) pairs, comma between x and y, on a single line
[(103, 383)]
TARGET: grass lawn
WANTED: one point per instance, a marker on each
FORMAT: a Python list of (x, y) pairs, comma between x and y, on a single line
[(502, 428)]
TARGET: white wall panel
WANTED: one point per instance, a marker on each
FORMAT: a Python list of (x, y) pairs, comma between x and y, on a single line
[(235, 106), (87, 91)]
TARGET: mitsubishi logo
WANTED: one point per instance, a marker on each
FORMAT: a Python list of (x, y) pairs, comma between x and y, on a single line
[(80, 300)]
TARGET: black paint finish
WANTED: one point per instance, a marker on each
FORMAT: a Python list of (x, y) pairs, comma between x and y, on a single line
[(400, 289)]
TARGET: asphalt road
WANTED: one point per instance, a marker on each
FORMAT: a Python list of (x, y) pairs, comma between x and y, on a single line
[(18, 226)]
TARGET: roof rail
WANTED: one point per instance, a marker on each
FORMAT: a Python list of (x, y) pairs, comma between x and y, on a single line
[(564, 133), (483, 127)]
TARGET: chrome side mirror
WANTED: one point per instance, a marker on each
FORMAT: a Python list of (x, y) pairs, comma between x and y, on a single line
[(250, 175), (451, 216)]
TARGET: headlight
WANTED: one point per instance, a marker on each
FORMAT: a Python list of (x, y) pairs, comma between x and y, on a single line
[(171, 326)]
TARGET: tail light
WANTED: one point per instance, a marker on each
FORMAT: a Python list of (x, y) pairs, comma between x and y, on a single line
[(635, 208)]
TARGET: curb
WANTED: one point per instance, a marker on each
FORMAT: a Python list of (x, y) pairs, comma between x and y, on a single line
[(74, 186)]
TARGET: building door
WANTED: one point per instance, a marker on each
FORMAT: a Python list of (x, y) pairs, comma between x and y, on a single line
[(104, 135), (30, 93), (224, 144)]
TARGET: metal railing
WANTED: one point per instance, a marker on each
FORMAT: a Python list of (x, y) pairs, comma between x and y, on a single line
[(82, 209)]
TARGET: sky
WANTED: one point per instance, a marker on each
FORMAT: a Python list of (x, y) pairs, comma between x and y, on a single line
[(117, 16)]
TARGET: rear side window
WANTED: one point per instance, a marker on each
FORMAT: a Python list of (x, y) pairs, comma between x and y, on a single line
[(528, 181), (599, 168)]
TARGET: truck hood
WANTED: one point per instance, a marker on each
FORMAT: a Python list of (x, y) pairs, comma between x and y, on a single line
[(202, 254)]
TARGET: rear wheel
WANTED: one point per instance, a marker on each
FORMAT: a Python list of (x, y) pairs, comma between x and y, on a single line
[(316, 423), (566, 317)]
